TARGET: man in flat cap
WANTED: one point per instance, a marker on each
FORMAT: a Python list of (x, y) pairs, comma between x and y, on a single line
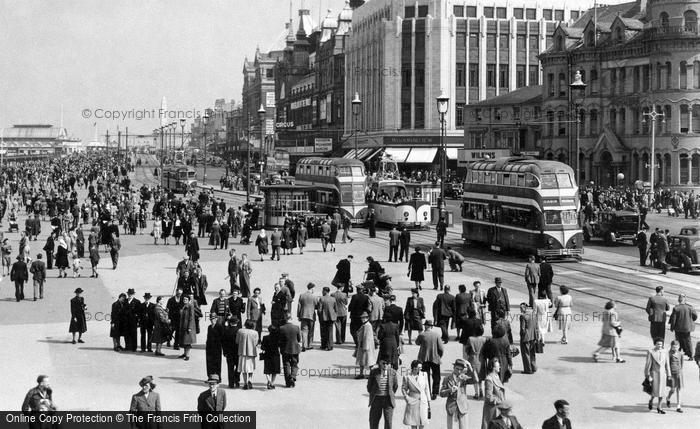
[(454, 388), (505, 420)]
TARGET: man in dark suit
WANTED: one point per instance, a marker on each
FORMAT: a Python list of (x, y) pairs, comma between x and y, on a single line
[(343, 275), (147, 320), (341, 312), (327, 317), (381, 401), (561, 419), (497, 299), (230, 349), (505, 419), (657, 306), (306, 313), (462, 304), (236, 307), (404, 243), (682, 323), (359, 303), (192, 247), (38, 270), (19, 274), (430, 353), (233, 269), (132, 314), (393, 312), (436, 259), (372, 223), (642, 246), (546, 278), (211, 402), (443, 311), (219, 308), (394, 239), (528, 337), (290, 345), (174, 306)]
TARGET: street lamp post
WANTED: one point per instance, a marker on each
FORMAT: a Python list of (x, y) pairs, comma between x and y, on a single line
[(356, 106), (204, 128), (182, 135), (577, 92), (443, 103), (172, 142), (162, 152), (652, 115), (263, 157)]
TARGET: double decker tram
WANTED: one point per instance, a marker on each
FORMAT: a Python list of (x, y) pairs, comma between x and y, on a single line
[(336, 183), (178, 177), (523, 204)]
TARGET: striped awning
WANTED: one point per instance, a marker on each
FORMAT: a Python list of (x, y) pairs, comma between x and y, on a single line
[(362, 154)]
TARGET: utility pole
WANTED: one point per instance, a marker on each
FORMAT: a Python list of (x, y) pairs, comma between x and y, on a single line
[(107, 137)]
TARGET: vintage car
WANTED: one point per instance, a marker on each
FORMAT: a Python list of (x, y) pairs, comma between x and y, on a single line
[(613, 226), (690, 230), (683, 252)]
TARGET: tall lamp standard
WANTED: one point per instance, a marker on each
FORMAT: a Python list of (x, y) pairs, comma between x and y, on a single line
[(172, 142), (356, 106), (652, 116), (162, 152), (261, 116), (204, 128), (443, 105), (578, 88), (182, 135)]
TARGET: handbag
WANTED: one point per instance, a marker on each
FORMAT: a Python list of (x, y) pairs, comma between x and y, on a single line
[(514, 351), (430, 412), (618, 329), (556, 314), (646, 386), (262, 356), (539, 346)]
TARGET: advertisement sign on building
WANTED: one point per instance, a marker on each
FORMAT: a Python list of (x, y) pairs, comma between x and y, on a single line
[(465, 156), (323, 144), (269, 126), (270, 99)]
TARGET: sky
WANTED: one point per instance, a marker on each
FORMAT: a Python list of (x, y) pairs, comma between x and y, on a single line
[(99, 57)]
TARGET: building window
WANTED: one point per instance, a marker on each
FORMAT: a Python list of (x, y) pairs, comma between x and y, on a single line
[(574, 15), (636, 79), (519, 76), (668, 75), (270, 73), (534, 43), (635, 120), (558, 15), (534, 75), (593, 114), (685, 118), (488, 12), (461, 40), (460, 115), (520, 42), (420, 116), (646, 77), (461, 75), (560, 43), (562, 85), (471, 11), (473, 40), (422, 11), (549, 40), (590, 39), (406, 78), (623, 80), (518, 12), (501, 13), (491, 75), (420, 75), (691, 21), (663, 19), (696, 119), (530, 13), (547, 14), (458, 11), (684, 75), (420, 42), (503, 75), (409, 12), (503, 41), (490, 41), (561, 123), (550, 84), (406, 43), (623, 121), (473, 75), (405, 115)]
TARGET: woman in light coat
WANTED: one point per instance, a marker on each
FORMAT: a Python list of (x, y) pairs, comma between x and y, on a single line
[(562, 303), (494, 393), (657, 371), (675, 363), (416, 391), (610, 338), (188, 325), (247, 340), (542, 304), (365, 353), (161, 326)]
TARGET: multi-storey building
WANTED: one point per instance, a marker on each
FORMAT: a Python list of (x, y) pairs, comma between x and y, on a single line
[(402, 54), (33, 140), (635, 58)]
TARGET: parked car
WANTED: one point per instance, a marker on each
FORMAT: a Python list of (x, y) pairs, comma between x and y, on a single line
[(453, 190), (690, 230), (683, 252), (613, 226)]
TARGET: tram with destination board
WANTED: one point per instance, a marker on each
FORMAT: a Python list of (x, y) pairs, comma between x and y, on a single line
[(178, 177), (336, 183), (391, 201), (523, 204)]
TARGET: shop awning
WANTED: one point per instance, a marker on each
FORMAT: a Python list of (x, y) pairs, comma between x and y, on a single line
[(362, 154), (452, 153), (421, 155), (398, 154)]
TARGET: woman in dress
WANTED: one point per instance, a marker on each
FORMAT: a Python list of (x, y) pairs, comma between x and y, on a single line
[(80, 242), (542, 304), (156, 232), (562, 305), (161, 326), (498, 348), (262, 242), (271, 360), (675, 363), (286, 239), (414, 313), (215, 235), (416, 391), (188, 326), (416, 267), (471, 351), (78, 322), (610, 337), (247, 340), (177, 229), (494, 393), (244, 271), (94, 259), (656, 371), (254, 310), (167, 226), (62, 257)]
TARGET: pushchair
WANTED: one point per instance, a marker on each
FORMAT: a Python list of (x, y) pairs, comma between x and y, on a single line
[(14, 225)]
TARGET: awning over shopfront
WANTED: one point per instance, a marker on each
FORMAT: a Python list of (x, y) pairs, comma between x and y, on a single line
[(398, 154), (362, 154), (452, 153), (421, 155)]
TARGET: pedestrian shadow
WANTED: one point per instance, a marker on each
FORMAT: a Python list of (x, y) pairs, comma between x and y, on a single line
[(626, 409), (55, 341), (577, 359), (185, 380)]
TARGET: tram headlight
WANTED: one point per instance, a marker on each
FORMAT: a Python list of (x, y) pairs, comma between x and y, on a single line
[(405, 214)]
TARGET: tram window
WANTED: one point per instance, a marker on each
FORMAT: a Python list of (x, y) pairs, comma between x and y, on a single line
[(513, 180), (346, 193), (506, 179), (531, 181), (564, 180), (549, 181), (191, 175), (499, 178), (493, 178), (521, 180), (563, 217)]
